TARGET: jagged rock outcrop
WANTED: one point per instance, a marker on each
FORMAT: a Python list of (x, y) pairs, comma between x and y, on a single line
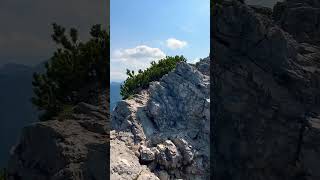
[(204, 66), (166, 127), (74, 146), (265, 73)]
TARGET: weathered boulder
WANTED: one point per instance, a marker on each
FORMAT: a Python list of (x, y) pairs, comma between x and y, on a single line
[(147, 154), (169, 156), (185, 149)]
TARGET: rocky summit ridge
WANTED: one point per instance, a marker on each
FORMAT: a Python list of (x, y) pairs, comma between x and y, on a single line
[(163, 132), (160, 133)]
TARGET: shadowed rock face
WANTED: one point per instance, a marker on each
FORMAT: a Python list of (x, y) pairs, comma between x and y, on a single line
[(265, 3), (266, 91), (300, 18), (73, 147), (166, 128)]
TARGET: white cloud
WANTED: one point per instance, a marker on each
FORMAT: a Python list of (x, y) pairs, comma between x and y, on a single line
[(173, 43), (135, 58), (195, 60), (117, 76), (139, 53)]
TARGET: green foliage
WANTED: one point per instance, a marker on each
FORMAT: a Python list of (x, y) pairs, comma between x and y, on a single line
[(66, 112), (3, 174), (136, 82), (73, 65)]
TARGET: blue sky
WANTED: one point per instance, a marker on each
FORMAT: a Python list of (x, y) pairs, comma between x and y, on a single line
[(146, 30)]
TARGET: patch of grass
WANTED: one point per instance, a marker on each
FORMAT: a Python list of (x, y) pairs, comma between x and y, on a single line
[(66, 113)]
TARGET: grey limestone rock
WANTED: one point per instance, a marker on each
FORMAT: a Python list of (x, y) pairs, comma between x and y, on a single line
[(170, 123), (147, 154), (169, 156), (125, 164)]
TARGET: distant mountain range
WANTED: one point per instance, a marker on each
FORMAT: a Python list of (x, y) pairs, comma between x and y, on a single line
[(16, 109), (114, 94)]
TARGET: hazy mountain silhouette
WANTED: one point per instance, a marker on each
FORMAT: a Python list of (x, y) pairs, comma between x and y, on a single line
[(16, 109), (114, 94)]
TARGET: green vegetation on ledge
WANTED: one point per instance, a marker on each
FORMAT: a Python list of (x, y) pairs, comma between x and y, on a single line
[(73, 66), (136, 82), (3, 174)]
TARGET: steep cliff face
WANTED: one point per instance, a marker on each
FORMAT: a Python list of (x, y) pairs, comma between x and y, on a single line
[(74, 146), (164, 130), (266, 89)]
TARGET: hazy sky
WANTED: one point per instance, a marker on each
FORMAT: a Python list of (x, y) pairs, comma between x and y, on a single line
[(26, 25), (146, 30)]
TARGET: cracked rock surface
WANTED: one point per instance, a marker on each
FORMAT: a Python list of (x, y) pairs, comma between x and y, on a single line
[(166, 127), (266, 76)]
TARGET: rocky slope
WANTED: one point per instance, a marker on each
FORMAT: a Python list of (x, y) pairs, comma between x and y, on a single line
[(163, 132), (74, 146), (266, 87)]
